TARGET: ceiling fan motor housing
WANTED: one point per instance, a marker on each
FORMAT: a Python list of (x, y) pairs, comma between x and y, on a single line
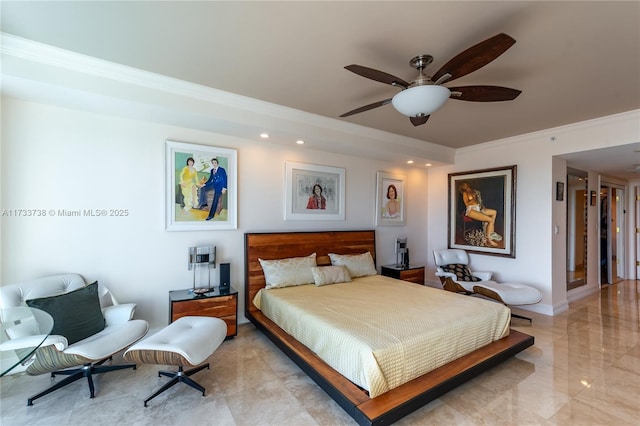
[(420, 62)]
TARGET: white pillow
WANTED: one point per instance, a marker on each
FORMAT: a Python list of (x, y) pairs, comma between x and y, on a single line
[(288, 272), (324, 275), (359, 265)]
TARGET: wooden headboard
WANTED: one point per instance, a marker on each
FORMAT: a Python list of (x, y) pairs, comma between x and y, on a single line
[(282, 245)]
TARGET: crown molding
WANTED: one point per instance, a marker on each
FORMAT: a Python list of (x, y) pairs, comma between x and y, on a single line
[(42, 73)]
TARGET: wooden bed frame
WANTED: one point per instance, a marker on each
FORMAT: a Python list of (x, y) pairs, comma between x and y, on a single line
[(394, 404)]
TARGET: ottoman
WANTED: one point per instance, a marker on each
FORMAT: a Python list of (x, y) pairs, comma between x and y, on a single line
[(509, 294), (186, 341)]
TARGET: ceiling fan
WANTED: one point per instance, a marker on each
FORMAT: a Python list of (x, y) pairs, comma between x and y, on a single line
[(424, 95)]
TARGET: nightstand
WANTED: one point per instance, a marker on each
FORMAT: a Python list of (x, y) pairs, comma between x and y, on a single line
[(411, 273), (220, 304)]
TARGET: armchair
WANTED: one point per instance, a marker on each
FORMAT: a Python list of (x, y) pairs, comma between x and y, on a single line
[(89, 328), (452, 267)]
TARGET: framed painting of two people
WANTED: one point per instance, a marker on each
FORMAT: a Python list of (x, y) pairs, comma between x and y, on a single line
[(201, 187)]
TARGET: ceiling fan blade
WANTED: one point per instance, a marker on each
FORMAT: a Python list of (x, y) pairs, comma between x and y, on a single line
[(418, 121), (484, 93), (376, 75), (475, 57), (367, 107)]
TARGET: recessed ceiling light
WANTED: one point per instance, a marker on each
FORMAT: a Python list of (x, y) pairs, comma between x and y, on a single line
[(300, 142), (410, 162), (264, 135), (428, 164)]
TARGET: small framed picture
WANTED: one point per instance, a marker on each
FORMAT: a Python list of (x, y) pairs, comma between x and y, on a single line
[(390, 196), (559, 191)]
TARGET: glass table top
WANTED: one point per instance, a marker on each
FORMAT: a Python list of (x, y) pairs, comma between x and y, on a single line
[(23, 330)]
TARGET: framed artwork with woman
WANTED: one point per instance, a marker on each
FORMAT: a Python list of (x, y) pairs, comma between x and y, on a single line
[(390, 196), (314, 192), (482, 211), (201, 189)]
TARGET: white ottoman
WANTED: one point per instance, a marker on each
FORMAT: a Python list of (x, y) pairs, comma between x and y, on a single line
[(186, 341), (509, 294)]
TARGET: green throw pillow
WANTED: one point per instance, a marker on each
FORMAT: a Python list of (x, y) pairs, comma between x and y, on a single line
[(461, 271), (76, 315)]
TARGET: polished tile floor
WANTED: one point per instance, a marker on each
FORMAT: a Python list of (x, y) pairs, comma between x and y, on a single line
[(584, 369)]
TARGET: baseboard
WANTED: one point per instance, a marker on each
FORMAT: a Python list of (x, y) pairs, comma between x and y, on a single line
[(581, 292)]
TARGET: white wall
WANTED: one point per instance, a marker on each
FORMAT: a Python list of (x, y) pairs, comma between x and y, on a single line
[(55, 158), (540, 254), (58, 158)]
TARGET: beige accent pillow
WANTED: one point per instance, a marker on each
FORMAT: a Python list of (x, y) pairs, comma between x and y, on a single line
[(324, 275), (288, 272), (359, 265)]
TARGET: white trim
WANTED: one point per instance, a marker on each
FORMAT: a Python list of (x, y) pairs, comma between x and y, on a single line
[(197, 106)]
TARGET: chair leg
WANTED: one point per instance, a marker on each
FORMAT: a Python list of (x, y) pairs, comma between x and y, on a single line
[(162, 389), (521, 317), (88, 370), (73, 376), (179, 376), (107, 368)]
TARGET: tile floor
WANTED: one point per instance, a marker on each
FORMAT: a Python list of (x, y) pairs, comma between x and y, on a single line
[(584, 369)]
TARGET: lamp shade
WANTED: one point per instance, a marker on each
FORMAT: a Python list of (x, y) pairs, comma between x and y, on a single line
[(420, 100)]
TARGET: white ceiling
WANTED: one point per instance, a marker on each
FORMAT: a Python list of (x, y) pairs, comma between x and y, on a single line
[(573, 61)]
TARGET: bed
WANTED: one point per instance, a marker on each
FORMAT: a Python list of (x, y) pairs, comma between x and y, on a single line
[(384, 406)]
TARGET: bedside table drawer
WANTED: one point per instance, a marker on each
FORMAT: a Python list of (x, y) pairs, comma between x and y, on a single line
[(183, 303), (413, 275), (219, 307)]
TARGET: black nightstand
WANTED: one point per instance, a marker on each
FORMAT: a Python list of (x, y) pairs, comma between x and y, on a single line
[(411, 273), (220, 304)]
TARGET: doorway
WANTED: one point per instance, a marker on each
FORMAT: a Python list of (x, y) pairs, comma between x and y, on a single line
[(612, 225), (577, 186)]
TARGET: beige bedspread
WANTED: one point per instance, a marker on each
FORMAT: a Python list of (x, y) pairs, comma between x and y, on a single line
[(380, 332)]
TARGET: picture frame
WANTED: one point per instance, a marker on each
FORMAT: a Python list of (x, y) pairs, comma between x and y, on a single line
[(302, 200), (388, 212), (559, 191), (478, 195), (184, 187)]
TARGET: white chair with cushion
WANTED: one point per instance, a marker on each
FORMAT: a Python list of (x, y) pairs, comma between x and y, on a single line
[(89, 327), (452, 267)]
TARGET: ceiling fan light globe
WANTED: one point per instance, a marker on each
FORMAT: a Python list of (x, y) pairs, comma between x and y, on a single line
[(419, 101)]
